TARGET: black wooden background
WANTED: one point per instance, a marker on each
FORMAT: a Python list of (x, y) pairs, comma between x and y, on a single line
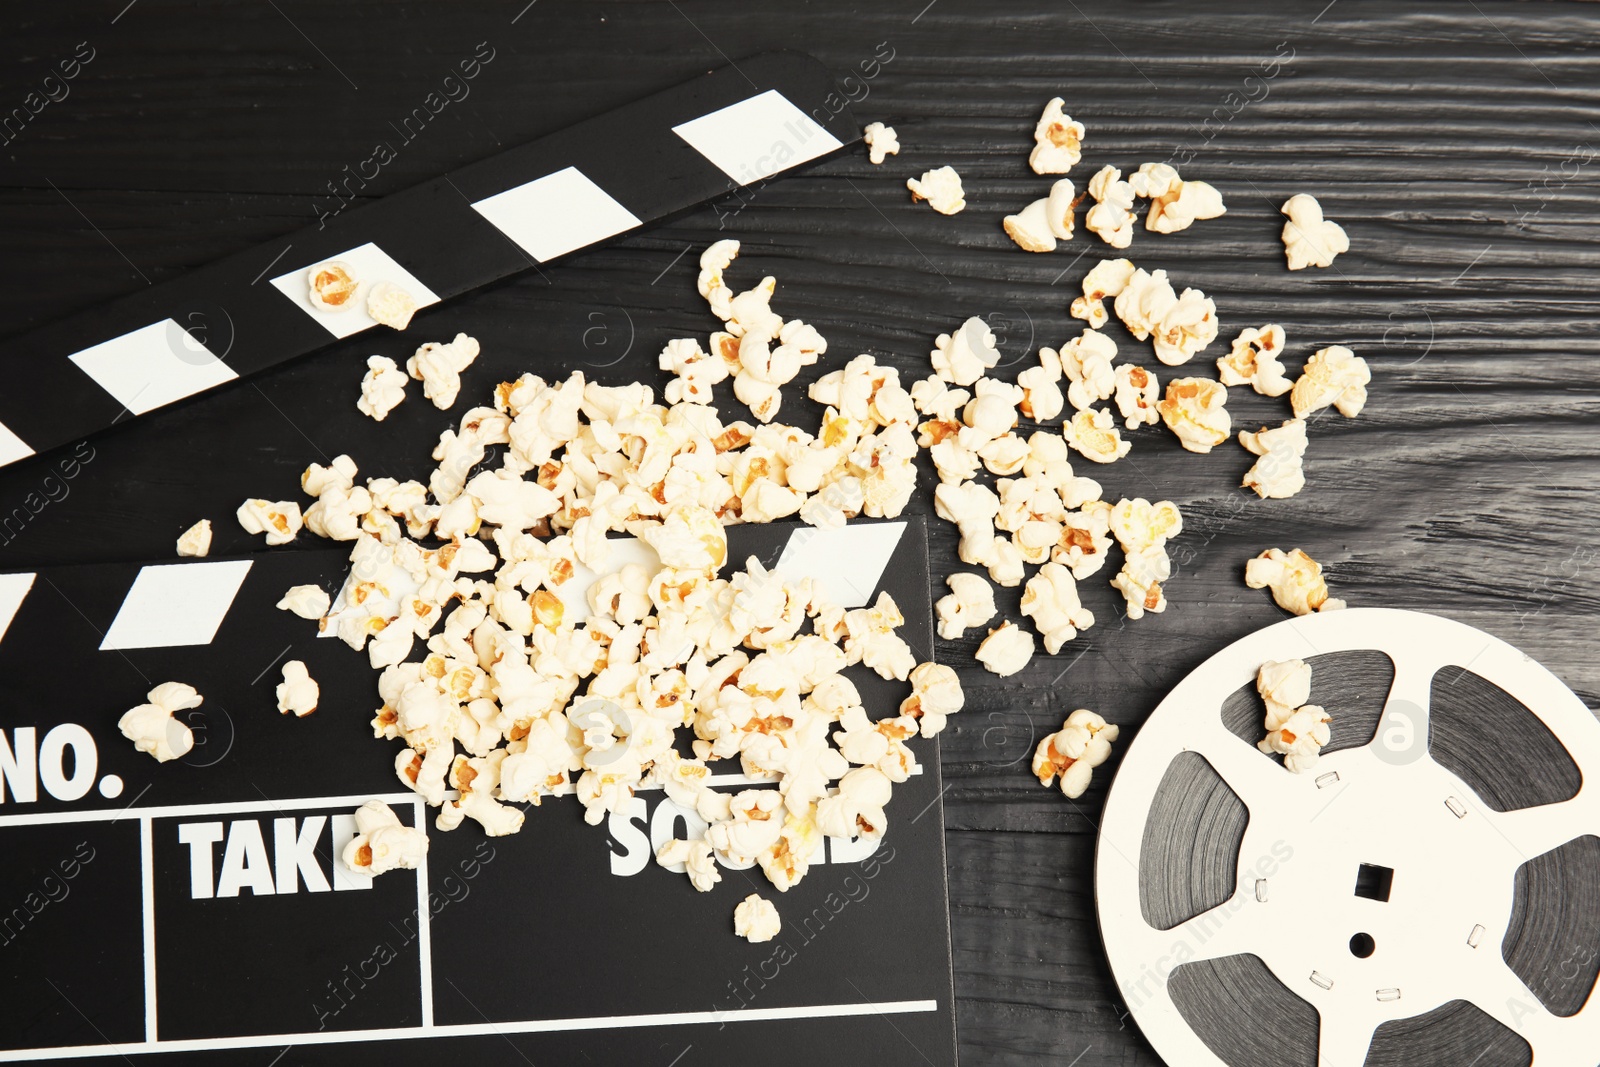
[(1457, 144)]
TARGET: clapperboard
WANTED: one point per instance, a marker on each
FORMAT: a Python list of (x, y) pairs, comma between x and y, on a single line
[(195, 911), (158, 909)]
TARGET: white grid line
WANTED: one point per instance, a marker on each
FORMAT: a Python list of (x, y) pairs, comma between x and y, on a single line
[(543, 1026), (147, 887), (424, 924)]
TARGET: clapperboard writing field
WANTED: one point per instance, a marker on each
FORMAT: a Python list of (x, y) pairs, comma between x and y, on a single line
[(192, 909), (509, 213)]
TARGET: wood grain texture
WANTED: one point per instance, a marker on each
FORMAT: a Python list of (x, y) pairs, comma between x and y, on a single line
[(1458, 146)]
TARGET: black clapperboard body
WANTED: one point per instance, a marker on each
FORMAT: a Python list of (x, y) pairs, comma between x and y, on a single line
[(159, 909), (196, 910)]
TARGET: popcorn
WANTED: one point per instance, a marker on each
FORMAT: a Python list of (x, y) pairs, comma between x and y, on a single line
[(935, 696), (438, 367), (280, 520), (330, 286), (1082, 744), (696, 372), (306, 601), (755, 919), (854, 811), (1085, 539), (688, 538), (941, 188), (1108, 278), (382, 843), (1093, 434), (871, 638), (153, 728), (1333, 375), (1139, 581), (969, 603), (391, 305), (1299, 739), (752, 827), (1137, 394), (1138, 524), (196, 540), (1295, 580), (717, 257), (992, 411), (340, 505), (1006, 650), (543, 765), (1188, 326), (476, 779), (1057, 141), (1111, 217), (1086, 361), (877, 744), (1179, 326), (1004, 455), (1042, 399), (1059, 208), (424, 772), (1047, 463), (1284, 686), (1050, 599), (881, 142), (694, 857), (1254, 361), (298, 692), (1004, 560), (1144, 302), (1030, 228), (1174, 203), (1309, 240), (1278, 473), (382, 389), (1194, 410), (962, 357)]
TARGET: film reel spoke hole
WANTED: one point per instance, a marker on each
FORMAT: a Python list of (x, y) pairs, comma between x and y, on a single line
[(1362, 946), (1374, 882)]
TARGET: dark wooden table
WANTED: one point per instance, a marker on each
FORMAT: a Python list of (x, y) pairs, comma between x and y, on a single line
[(1459, 147)]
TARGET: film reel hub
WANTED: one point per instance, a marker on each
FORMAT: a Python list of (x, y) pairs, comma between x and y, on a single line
[(1378, 887)]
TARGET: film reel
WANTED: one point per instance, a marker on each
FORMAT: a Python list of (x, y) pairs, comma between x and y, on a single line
[(1430, 894)]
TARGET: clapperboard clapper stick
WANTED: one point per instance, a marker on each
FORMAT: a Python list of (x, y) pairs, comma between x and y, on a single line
[(512, 212)]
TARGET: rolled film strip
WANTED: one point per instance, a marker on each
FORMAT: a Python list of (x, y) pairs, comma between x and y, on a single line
[(1429, 895), (514, 211)]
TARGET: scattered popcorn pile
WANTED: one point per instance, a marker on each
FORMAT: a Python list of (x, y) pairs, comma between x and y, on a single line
[(521, 690), (1295, 580), (1074, 751), (1296, 730), (332, 287), (544, 693)]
